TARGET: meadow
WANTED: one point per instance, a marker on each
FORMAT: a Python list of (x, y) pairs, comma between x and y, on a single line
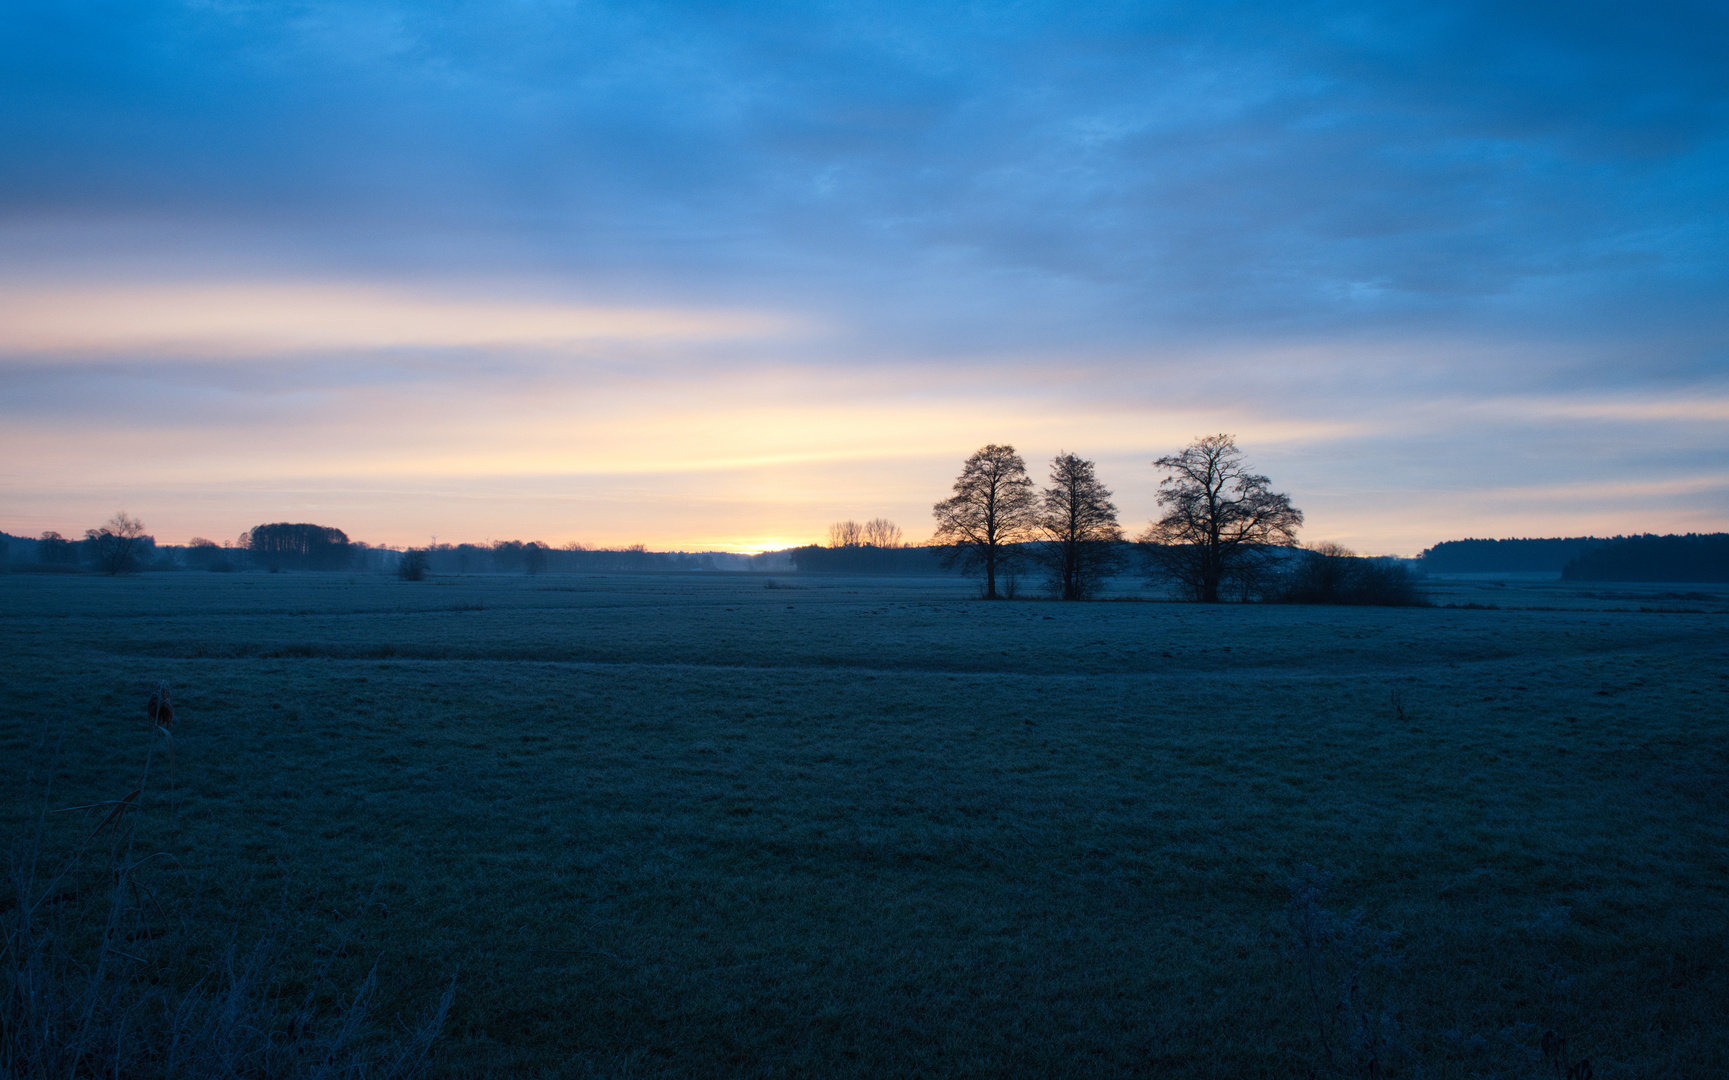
[(719, 825)]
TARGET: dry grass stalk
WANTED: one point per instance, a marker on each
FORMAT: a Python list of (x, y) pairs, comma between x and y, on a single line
[(116, 988)]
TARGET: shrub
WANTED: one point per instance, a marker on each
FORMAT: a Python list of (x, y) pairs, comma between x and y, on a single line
[(413, 565), (1329, 574)]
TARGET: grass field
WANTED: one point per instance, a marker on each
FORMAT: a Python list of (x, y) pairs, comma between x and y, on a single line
[(696, 826)]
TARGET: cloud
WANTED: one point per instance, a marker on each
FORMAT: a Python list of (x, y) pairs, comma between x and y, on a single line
[(1404, 253), (251, 319)]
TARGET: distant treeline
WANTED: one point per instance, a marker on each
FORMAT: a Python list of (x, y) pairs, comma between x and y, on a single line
[(53, 553), (1506, 556), (533, 557), (870, 559), (1649, 557), (301, 546), (1694, 557)]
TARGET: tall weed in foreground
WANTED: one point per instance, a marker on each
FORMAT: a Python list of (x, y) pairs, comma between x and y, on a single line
[(107, 972), (1347, 971)]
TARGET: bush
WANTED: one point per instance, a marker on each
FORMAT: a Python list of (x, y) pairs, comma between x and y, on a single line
[(1330, 574), (413, 565)]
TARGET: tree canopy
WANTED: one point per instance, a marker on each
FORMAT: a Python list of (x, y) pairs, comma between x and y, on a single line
[(286, 546), (1078, 523), (1220, 521), (992, 510)]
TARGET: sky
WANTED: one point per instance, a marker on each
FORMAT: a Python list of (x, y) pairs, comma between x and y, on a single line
[(712, 276)]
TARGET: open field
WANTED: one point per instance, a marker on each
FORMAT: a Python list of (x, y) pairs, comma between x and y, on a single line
[(694, 826)]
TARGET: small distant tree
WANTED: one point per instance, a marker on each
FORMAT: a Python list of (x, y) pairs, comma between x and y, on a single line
[(414, 564), (534, 558), (1082, 542), (204, 554), (882, 533), (992, 510), (507, 555), (1221, 519), (119, 545), (845, 534)]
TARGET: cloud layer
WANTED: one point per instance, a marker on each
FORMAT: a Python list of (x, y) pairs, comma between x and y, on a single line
[(1452, 271)]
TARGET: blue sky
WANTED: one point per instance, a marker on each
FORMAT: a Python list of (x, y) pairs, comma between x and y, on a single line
[(716, 275)]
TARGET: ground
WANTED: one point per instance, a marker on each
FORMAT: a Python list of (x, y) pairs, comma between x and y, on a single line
[(717, 825)]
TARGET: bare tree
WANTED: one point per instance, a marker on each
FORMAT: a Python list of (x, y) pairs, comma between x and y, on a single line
[(117, 545), (845, 534), (1221, 520), (1082, 540), (882, 533), (992, 510)]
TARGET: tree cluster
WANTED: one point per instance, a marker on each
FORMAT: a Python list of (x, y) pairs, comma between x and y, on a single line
[(203, 554), (1332, 574), (1220, 534), (52, 549), (997, 520), (119, 545), (877, 532), (302, 546)]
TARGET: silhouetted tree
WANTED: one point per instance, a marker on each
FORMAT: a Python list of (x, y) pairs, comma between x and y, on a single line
[(991, 511), (1221, 519), (413, 564), (507, 555), (534, 558), (1082, 541), (882, 533), (54, 549), (845, 534), (119, 545)]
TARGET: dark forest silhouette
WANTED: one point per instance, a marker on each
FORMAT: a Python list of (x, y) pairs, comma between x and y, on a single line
[(1537, 556), (1693, 557)]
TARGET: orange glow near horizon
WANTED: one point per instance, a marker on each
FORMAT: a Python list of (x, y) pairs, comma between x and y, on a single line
[(685, 428)]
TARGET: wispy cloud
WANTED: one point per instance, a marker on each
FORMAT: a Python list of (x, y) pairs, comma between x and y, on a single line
[(259, 318)]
